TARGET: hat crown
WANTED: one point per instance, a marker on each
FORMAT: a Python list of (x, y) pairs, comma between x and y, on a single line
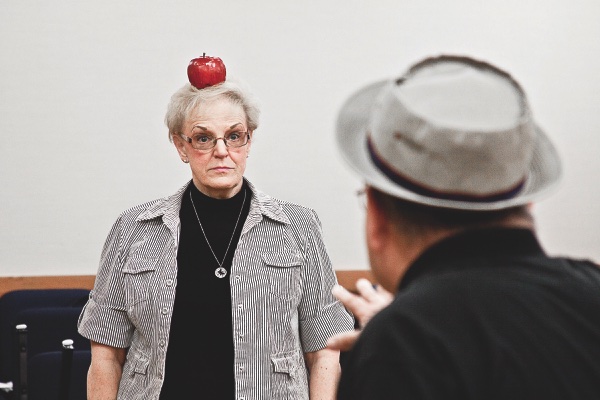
[(454, 129), (453, 132), (460, 96)]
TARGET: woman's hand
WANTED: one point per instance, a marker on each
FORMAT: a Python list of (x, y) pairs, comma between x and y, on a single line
[(369, 301)]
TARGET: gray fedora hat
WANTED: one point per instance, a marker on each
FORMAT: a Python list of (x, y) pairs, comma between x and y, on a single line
[(452, 132)]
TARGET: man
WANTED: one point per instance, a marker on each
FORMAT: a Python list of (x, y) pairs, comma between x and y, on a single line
[(452, 160)]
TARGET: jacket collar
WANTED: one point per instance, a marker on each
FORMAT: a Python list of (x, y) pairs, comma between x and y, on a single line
[(261, 205)]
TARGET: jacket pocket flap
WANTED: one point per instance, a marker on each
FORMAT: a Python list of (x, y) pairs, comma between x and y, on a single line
[(137, 265), (141, 364), (286, 363), (282, 259)]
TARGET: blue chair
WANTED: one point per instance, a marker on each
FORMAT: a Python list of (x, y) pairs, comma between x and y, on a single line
[(50, 316), (46, 327), (58, 375)]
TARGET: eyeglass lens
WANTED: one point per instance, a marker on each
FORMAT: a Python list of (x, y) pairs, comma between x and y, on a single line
[(203, 140)]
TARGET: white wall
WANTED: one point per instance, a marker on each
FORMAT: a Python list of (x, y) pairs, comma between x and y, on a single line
[(84, 87)]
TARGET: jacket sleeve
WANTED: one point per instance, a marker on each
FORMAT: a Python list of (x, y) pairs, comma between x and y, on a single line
[(320, 314), (104, 317)]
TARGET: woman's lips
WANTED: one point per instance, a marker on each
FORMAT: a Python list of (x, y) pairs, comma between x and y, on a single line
[(221, 169)]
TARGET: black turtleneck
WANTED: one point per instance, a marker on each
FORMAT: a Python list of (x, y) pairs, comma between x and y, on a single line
[(200, 353)]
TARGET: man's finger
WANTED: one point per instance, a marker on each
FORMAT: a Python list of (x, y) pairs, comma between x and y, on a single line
[(366, 289), (384, 294), (343, 341), (352, 302), (373, 294)]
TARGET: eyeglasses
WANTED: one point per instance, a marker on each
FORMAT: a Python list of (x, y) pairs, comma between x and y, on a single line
[(200, 140), (362, 197)]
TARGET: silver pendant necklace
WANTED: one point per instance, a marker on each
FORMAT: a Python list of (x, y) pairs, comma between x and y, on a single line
[(219, 272)]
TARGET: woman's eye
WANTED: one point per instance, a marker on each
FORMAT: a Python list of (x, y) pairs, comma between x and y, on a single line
[(234, 136), (202, 139)]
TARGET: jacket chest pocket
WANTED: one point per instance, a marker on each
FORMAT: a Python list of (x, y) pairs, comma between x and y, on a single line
[(283, 271), (139, 275), (140, 267)]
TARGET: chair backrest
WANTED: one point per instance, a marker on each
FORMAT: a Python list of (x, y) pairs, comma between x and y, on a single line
[(44, 375), (79, 370), (49, 326), (13, 304)]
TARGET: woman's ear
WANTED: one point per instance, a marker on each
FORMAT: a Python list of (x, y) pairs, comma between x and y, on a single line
[(181, 149), (251, 133)]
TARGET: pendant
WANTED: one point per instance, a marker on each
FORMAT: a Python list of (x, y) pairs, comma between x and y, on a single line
[(220, 272)]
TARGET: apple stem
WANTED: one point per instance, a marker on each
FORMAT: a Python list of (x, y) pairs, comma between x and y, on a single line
[(203, 54)]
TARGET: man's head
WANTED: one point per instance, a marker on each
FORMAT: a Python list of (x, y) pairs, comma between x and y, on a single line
[(453, 137)]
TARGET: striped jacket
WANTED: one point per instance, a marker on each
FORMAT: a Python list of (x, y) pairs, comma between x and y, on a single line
[(281, 279)]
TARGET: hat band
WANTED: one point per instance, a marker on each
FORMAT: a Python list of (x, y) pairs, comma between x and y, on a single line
[(419, 189)]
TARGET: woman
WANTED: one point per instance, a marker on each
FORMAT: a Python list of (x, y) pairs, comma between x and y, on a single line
[(218, 291)]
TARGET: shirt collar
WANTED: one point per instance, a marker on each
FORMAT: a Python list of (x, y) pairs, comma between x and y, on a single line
[(267, 206), (490, 243)]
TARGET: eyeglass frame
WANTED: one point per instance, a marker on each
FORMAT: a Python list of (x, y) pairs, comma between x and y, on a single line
[(245, 134), (361, 195)]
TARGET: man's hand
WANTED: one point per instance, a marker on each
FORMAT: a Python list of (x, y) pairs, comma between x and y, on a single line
[(369, 301)]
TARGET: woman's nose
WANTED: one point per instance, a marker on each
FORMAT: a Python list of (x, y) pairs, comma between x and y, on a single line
[(221, 148)]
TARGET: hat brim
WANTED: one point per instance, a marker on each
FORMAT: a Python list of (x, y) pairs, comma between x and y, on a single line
[(351, 134)]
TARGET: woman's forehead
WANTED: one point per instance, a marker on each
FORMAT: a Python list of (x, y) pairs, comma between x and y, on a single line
[(217, 111)]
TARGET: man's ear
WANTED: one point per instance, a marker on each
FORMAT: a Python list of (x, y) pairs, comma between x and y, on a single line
[(378, 227)]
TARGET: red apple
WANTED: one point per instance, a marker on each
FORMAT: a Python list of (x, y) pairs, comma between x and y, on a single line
[(206, 71)]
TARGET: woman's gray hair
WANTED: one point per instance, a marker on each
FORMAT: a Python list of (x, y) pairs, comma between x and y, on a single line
[(188, 98)]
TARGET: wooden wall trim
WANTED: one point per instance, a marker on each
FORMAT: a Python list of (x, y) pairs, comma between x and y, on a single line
[(8, 284), (346, 278)]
